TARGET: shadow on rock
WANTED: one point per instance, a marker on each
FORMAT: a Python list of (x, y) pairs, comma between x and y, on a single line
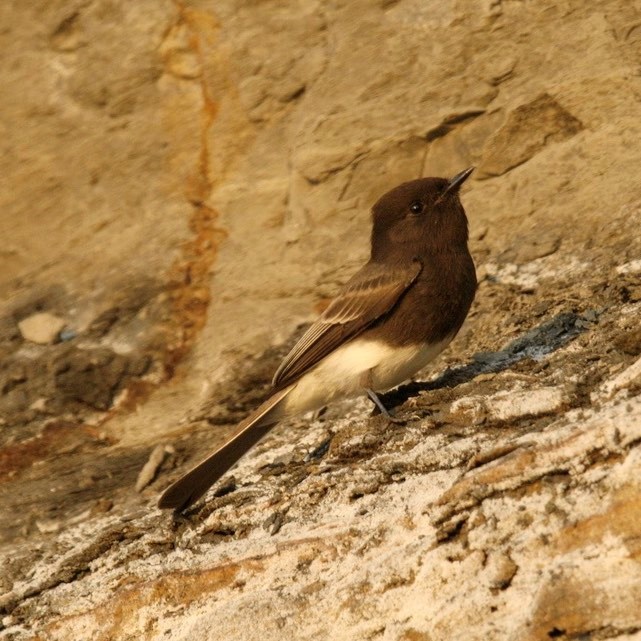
[(535, 344)]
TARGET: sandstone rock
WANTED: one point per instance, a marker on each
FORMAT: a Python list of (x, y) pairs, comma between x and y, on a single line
[(526, 131), (191, 183), (472, 410), (42, 328), (507, 405), (502, 570), (627, 378), (633, 267), (149, 470)]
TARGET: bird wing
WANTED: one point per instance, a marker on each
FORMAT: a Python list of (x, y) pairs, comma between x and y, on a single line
[(369, 294)]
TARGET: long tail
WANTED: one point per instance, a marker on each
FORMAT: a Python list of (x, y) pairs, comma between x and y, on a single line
[(190, 487)]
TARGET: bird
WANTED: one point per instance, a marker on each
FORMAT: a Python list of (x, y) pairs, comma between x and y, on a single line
[(395, 314)]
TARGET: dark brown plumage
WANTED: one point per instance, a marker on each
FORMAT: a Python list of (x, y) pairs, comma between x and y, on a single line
[(389, 320)]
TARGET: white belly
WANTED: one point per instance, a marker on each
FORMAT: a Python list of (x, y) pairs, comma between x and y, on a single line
[(361, 363)]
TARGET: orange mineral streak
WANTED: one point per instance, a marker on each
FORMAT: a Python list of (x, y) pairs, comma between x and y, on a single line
[(133, 605), (188, 124), (114, 617), (20, 456), (621, 518), (190, 275)]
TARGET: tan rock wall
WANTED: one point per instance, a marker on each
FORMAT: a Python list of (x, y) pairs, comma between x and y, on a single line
[(184, 184)]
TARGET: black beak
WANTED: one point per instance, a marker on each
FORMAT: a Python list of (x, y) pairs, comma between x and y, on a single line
[(457, 181)]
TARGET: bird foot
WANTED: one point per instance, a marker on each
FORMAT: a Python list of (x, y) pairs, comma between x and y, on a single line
[(382, 409)]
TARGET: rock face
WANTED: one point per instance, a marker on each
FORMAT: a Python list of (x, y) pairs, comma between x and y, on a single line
[(186, 184)]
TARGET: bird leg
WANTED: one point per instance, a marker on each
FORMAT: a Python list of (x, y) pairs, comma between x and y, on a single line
[(384, 411), (366, 382)]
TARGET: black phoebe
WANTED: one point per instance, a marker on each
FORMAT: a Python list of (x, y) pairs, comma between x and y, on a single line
[(390, 319)]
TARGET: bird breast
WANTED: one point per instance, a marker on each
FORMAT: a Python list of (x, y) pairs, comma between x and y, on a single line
[(358, 364)]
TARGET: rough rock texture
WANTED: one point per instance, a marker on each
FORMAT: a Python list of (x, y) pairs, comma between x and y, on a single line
[(186, 183)]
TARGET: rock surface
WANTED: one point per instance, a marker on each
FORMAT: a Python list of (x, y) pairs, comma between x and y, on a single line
[(42, 328), (186, 184)]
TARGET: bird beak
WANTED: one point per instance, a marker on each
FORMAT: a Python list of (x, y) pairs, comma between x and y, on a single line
[(457, 181)]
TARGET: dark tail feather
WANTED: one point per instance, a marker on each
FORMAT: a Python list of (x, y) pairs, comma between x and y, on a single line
[(190, 487)]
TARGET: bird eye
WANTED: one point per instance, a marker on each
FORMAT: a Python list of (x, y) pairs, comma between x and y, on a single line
[(416, 207)]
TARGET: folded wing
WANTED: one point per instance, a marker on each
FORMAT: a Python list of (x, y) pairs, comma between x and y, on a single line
[(370, 294)]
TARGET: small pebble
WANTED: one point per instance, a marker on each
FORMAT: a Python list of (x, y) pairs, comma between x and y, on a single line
[(148, 472), (67, 335), (42, 328), (502, 570)]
